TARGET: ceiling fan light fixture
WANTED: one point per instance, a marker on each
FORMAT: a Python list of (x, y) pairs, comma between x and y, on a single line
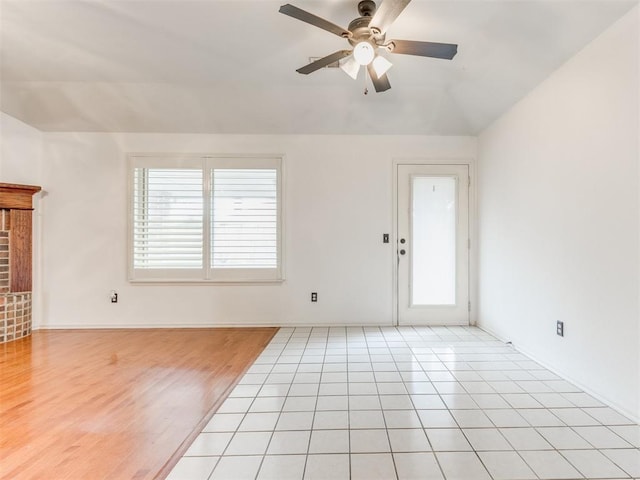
[(363, 52), (381, 65), (351, 67), (366, 34)]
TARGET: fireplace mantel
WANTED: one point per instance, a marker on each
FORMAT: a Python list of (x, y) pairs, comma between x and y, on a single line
[(17, 197)]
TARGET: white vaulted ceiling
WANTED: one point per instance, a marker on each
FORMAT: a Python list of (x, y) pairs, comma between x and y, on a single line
[(212, 66)]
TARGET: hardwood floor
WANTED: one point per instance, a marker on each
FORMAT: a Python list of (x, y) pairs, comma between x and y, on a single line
[(114, 404)]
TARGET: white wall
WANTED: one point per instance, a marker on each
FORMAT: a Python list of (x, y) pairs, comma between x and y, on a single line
[(20, 151), (337, 206), (559, 219), (21, 162)]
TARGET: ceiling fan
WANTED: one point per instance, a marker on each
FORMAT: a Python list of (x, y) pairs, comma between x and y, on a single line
[(366, 34)]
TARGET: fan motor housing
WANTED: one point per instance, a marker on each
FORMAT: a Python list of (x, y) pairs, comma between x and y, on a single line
[(361, 32)]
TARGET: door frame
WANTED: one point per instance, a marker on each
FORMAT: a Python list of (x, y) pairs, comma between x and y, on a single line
[(473, 227)]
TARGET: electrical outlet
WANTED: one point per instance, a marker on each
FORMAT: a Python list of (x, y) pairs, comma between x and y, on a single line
[(385, 238), (314, 296), (114, 296), (560, 328)]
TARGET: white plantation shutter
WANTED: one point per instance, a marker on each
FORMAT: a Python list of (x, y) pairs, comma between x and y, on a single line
[(244, 218), (168, 218), (202, 218)]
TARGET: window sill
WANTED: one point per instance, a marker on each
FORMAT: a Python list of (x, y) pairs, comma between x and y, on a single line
[(174, 281)]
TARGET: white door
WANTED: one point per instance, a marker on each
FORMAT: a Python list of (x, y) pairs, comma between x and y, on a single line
[(432, 235)]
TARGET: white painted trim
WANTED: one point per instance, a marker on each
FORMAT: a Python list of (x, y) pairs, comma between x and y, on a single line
[(282, 245), (176, 282), (473, 238), (111, 326), (630, 415), (206, 223), (190, 154), (638, 179), (473, 226), (394, 243), (37, 269)]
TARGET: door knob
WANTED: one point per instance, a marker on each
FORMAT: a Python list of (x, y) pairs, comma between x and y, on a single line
[(402, 252), (402, 240)]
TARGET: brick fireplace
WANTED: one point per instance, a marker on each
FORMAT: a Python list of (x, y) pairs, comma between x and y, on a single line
[(15, 260)]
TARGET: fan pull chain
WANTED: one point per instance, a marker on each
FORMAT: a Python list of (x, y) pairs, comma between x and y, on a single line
[(366, 90)]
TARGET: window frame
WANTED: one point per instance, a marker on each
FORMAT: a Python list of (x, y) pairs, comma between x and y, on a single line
[(207, 274)]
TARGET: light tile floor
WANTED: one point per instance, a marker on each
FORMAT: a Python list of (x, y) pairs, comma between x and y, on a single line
[(407, 403)]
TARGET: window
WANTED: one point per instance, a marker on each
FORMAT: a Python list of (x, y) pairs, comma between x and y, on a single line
[(205, 218)]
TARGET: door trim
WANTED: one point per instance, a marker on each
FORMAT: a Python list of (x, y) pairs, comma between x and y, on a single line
[(473, 228)]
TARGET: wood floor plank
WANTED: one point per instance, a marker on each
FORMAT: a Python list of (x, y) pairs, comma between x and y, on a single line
[(113, 404)]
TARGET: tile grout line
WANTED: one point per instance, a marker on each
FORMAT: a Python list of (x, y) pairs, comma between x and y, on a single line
[(384, 418), (313, 418), (457, 423), (279, 413), (245, 413)]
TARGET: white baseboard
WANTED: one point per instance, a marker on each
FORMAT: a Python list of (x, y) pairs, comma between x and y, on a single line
[(634, 416), (112, 326), (141, 326)]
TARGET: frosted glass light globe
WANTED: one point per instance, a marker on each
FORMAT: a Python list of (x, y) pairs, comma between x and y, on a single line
[(351, 67), (381, 65), (363, 53)]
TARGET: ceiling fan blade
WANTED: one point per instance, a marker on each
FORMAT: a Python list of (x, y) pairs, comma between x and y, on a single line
[(323, 62), (314, 20), (424, 49), (386, 13), (381, 83)]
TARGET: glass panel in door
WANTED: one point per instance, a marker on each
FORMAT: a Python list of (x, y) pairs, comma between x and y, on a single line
[(433, 237), (432, 232)]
